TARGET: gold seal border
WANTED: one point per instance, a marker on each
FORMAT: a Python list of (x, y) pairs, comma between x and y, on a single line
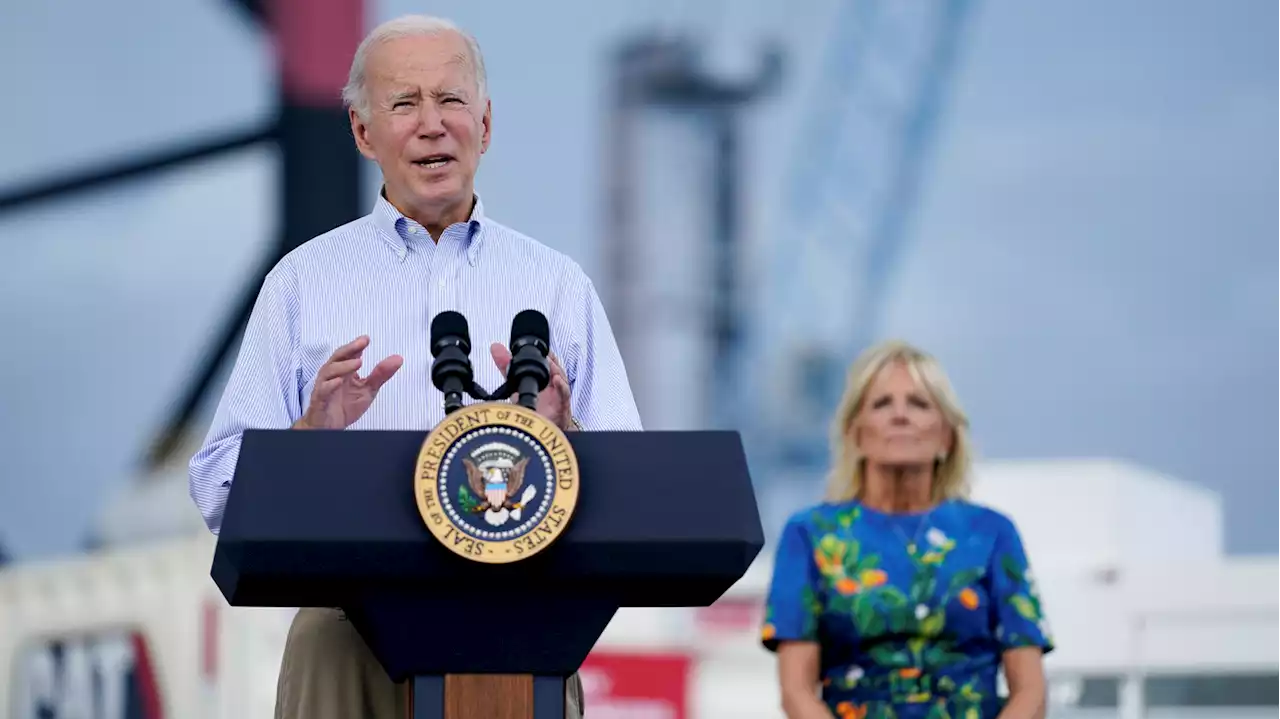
[(462, 423)]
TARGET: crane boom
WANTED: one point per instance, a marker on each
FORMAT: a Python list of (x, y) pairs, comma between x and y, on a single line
[(861, 158)]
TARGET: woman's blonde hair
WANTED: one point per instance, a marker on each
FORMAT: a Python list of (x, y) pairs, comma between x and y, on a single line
[(951, 476)]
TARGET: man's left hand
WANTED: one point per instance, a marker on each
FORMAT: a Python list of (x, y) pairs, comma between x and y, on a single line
[(553, 402)]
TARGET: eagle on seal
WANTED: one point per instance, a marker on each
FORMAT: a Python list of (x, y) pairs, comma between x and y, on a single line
[(494, 486)]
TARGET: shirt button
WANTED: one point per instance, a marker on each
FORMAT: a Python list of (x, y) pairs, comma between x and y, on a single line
[(442, 283)]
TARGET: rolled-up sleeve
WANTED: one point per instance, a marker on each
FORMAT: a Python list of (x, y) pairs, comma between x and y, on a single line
[(261, 393), (600, 390)]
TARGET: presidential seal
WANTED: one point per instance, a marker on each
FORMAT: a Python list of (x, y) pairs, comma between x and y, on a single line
[(496, 482)]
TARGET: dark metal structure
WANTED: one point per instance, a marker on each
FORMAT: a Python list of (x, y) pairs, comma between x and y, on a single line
[(319, 176), (666, 72)]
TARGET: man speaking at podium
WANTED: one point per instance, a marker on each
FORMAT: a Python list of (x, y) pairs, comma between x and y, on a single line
[(338, 337)]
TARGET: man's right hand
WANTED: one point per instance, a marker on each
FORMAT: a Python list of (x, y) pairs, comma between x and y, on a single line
[(340, 396)]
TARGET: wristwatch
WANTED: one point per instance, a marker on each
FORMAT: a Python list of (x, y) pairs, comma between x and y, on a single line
[(573, 423)]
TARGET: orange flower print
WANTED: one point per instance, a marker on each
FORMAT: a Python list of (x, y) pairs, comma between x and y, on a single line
[(846, 710), (820, 559), (846, 586), (826, 565), (874, 577), (909, 672), (968, 598), (829, 555), (768, 632)]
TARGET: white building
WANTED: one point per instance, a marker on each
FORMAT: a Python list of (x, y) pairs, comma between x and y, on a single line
[(1099, 515)]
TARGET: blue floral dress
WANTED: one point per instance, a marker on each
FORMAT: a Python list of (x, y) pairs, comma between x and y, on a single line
[(912, 612)]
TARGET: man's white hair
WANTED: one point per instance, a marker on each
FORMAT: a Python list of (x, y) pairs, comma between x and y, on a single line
[(355, 93)]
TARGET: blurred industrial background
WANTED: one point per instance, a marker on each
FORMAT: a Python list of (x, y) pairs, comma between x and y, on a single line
[(1070, 204)]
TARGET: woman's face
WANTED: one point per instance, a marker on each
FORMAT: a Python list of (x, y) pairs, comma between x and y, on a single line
[(899, 423)]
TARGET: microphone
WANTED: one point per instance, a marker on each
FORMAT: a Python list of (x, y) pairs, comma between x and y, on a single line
[(529, 372), (451, 371)]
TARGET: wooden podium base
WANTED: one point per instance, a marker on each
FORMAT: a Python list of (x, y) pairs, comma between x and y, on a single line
[(487, 696)]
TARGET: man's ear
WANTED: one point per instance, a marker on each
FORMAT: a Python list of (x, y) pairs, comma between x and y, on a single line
[(360, 131), (486, 125)]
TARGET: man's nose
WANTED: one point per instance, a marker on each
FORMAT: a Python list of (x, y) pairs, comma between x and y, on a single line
[(430, 122)]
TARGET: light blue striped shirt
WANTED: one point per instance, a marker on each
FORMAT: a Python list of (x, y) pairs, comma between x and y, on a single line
[(382, 276)]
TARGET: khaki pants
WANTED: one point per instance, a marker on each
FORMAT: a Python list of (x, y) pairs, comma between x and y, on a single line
[(329, 673)]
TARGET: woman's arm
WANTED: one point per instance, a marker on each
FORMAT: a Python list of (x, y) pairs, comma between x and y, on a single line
[(798, 677), (790, 626), (1024, 671)]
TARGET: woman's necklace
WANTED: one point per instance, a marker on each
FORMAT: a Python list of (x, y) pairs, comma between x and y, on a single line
[(912, 542)]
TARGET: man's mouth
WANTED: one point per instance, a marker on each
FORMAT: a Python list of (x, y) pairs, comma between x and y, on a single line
[(434, 162)]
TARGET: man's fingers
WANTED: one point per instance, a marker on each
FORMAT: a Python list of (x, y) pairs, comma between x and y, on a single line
[(556, 367), (344, 360), (501, 357), (561, 386), (324, 390), (340, 368), (383, 372), (350, 349)]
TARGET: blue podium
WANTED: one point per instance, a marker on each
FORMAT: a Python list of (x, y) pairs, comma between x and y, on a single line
[(329, 519)]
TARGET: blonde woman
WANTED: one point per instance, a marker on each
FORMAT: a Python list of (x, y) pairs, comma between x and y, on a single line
[(897, 596)]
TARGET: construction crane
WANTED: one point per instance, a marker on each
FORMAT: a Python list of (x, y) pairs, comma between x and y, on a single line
[(860, 161), (319, 188), (319, 168)]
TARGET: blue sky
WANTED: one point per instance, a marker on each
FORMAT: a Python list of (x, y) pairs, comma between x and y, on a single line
[(1093, 257)]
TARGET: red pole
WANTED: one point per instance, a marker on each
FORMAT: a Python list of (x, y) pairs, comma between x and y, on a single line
[(314, 42)]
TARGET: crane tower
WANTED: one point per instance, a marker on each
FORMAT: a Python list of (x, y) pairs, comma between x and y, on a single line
[(673, 238)]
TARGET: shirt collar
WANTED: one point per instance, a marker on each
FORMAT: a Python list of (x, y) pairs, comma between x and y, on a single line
[(397, 229)]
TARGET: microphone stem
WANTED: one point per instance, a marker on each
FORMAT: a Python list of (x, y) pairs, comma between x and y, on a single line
[(452, 402)]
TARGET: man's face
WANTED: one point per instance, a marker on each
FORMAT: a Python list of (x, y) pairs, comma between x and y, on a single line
[(426, 126)]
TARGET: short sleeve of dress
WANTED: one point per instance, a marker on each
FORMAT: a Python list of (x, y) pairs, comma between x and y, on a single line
[(792, 607), (1020, 618)]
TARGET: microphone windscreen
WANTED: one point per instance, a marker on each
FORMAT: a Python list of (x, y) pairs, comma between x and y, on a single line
[(530, 322), (449, 323)]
